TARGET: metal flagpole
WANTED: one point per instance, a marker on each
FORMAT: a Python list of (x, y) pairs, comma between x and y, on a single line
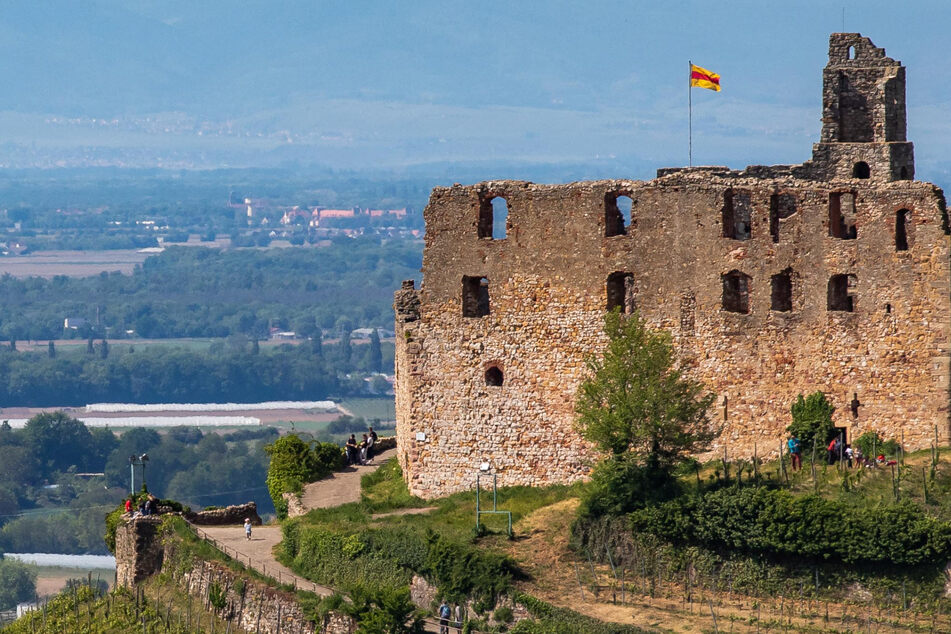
[(689, 114)]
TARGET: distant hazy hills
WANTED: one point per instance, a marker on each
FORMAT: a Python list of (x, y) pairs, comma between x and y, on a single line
[(371, 83)]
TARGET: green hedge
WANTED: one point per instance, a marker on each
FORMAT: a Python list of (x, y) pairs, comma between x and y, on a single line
[(295, 463), (772, 521)]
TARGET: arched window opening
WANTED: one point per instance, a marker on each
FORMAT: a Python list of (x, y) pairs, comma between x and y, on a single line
[(620, 291), (888, 309), (861, 170), (851, 52), (842, 215), (736, 292), (493, 218), (737, 214), (839, 294), (493, 376), (901, 230), (781, 295), (475, 296), (618, 210), (781, 206)]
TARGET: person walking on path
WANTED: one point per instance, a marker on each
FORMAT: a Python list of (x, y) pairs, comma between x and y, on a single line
[(795, 452), (444, 614), (247, 528)]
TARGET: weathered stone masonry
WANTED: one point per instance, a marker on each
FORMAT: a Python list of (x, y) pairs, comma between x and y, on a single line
[(831, 275)]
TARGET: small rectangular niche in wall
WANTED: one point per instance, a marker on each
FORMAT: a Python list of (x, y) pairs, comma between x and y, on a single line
[(475, 296), (781, 206), (620, 289), (737, 215), (840, 293), (842, 215)]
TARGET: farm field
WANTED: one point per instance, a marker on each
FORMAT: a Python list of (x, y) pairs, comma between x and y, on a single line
[(383, 409), (72, 263)]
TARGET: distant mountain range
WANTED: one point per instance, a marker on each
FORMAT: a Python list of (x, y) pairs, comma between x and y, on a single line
[(369, 84)]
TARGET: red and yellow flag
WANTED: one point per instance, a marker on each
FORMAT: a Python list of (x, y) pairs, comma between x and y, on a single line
[(703, 78)]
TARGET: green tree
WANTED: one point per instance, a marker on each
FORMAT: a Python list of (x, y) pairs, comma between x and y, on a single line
[(58, 441), (90, 348), (104, 349), (51, 348), (316, 342), (375, 355), (17, 583), (812, 420), (637, 402), (346, 348)]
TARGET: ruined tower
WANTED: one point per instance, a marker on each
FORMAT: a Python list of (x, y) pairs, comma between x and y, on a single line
[(830, 275), (863, 114)]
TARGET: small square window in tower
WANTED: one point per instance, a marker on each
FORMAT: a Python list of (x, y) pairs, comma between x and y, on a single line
[(842, 215), (493, 376), (780, 206), (737, 214), (493, 218), (736, 292), (475, 296), (620, 288), (839, 295)]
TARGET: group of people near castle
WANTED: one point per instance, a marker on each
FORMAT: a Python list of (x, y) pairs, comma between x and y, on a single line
[(148, 506), (836, 451), (361, 452)]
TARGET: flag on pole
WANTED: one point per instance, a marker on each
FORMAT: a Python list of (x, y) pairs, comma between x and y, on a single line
[(703, 78)]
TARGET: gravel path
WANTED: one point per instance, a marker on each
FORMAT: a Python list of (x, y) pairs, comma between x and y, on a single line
[(341, 487)]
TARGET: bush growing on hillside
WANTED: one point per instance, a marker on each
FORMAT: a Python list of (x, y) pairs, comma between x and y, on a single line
[(775, 522), (812, 421), (295, 463)]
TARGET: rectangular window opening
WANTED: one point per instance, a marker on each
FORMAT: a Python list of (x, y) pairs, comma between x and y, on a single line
[(475, 296), (839, 296), (842, 215), (781, 206), (781, 297), (620, 288), (737, 215), (736, 292)]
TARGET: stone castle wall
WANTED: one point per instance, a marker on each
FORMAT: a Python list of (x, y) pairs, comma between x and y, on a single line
[(702, 256)]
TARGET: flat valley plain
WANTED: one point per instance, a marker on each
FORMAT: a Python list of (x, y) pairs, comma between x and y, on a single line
[(72, 263)]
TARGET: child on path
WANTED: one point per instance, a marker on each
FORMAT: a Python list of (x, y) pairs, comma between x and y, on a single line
[(247, 528)]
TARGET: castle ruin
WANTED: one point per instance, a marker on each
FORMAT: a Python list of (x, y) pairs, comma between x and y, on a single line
[(830, 275)]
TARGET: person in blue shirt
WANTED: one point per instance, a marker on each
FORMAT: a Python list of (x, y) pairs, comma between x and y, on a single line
[(795, 452)]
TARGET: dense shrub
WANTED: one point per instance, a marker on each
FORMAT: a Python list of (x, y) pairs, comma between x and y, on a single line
[(620, 485), (768, 521), (461, 570), (812, 420), (295, 463)]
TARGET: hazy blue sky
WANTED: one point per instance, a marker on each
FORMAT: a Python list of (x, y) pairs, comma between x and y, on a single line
[(394, 84)]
